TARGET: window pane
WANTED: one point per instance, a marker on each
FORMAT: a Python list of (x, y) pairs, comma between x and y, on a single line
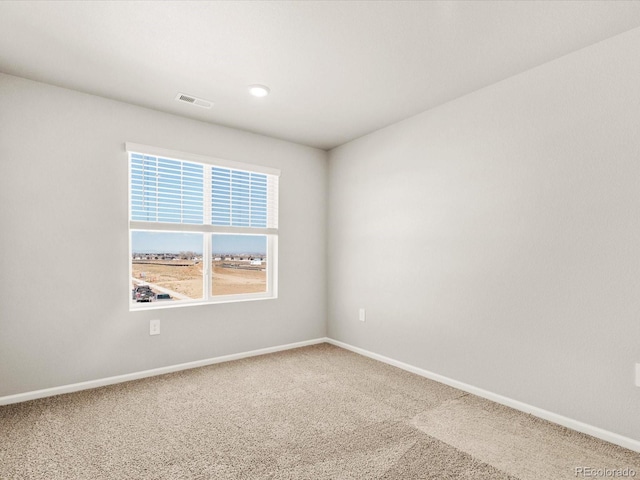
[(166, 267), (239, 264)]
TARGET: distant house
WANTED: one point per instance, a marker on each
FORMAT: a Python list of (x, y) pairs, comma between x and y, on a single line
[(256, 261)]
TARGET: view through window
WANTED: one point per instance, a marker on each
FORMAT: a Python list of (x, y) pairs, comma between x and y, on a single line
[(239, 264)]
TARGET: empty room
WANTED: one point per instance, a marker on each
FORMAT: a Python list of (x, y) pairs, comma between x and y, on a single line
[(319, 240)]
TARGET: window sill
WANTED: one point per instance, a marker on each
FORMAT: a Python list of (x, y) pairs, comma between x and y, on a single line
[(162, 304)]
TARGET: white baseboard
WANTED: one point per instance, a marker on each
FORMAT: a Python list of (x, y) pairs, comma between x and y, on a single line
[(600, 433), (75, 387), (605, 435)]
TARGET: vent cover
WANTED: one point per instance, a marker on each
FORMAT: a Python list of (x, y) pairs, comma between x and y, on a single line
[(181, 97)]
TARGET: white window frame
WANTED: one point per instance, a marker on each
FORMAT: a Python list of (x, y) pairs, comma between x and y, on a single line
[(206, 230)]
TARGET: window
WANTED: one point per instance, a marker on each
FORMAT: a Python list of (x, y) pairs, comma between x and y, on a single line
[(201, 230)]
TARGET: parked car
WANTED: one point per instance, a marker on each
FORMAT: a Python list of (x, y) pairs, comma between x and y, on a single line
[(143, 293), (163, 296)]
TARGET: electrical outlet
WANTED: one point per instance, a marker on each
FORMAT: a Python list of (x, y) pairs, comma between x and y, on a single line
[(361, 315), (637, 374), (154, 327)]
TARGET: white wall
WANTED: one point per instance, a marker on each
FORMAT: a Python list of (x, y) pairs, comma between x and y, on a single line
[(64, 314), (495, 239)]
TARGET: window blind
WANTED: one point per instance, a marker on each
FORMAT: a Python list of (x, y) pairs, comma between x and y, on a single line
[(168, 190), (243, 199), (165, 190)]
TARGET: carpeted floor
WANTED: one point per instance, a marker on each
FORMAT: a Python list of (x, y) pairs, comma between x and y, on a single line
[(317, 412)]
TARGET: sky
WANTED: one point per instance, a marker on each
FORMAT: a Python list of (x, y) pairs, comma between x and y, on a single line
[(164, 242)]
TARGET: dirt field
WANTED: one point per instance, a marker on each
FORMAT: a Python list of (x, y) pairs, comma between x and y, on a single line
[(187, 280), (228, 281)]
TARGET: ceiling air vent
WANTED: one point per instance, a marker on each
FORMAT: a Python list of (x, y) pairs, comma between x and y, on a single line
[(181, 97)]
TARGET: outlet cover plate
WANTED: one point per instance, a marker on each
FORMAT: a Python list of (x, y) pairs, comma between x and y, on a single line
[(154, 327)]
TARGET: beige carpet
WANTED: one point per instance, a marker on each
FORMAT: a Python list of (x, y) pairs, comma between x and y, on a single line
[(318, 412)]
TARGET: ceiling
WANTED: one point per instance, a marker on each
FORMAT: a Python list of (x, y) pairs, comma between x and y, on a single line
[(337, 70)]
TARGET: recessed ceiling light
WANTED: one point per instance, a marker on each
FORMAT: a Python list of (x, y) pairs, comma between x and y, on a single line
[(259, 90)]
